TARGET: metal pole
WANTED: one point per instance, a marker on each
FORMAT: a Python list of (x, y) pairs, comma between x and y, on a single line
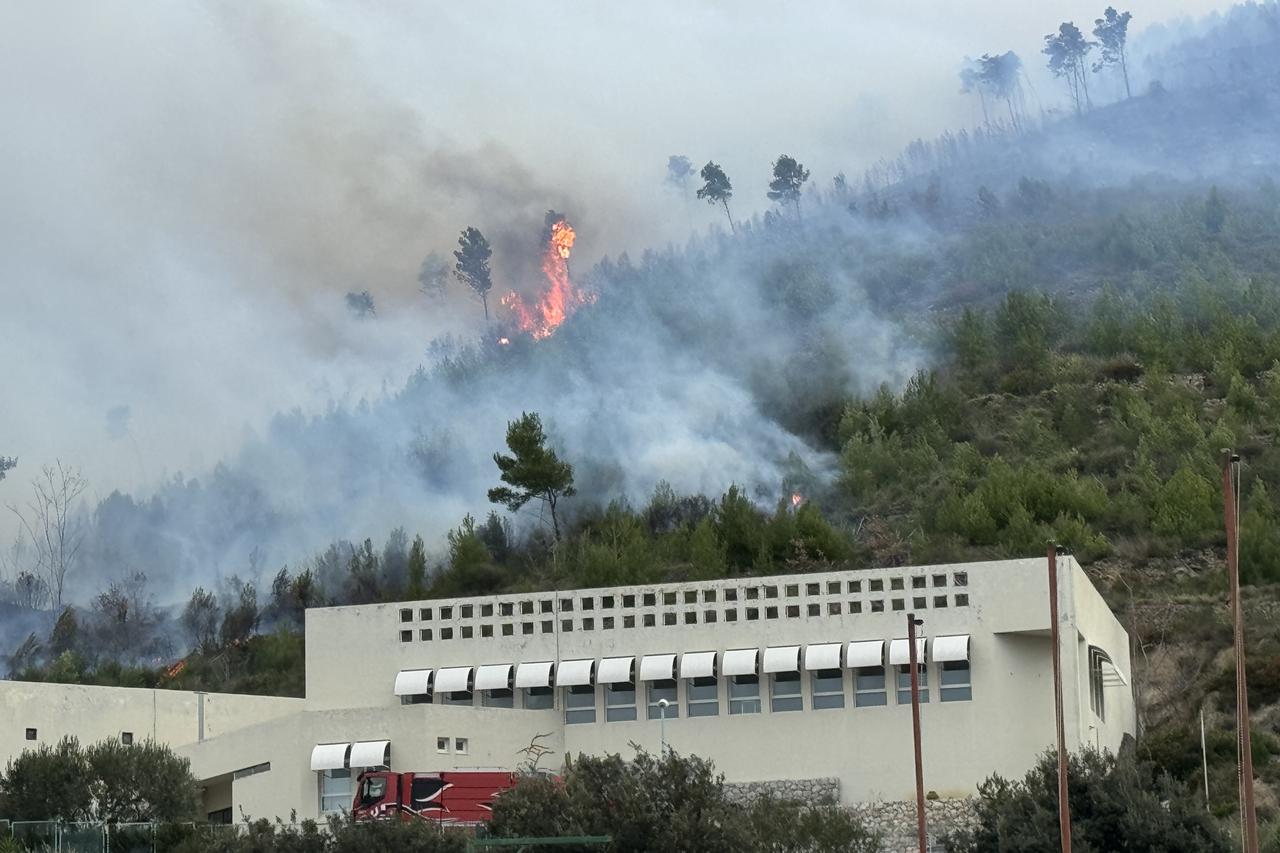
[(912, 622), (1204, 758), (662, 727), (1064, 802), (1248, 816)]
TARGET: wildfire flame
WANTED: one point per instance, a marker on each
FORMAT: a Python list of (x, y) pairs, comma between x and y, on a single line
[(561, 298), (796, 500)]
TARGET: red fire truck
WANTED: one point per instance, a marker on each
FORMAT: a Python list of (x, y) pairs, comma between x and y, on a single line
[(457, 797)]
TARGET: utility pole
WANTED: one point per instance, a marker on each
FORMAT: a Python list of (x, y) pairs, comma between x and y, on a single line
[(1064, 803), (1230, 506), (912, 622)]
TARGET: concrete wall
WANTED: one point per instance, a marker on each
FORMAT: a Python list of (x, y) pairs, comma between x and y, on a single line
[(495, 738), (96, 713)]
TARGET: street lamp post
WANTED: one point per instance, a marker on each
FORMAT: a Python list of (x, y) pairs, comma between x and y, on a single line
[(912, 624), (662, 726)]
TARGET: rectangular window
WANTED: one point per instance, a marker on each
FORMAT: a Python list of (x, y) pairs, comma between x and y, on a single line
[(337, 789), (709, 596), (31, 734), (868, 687), (898, 604), (566, 625), (855, 606), (650, 599), (467, 632), (457, 697), (504, 698), (526, 627), (619, 702), (793, 590), (904, 684), (628, 621), (588, 604), (506, 608), (1097, 694), (580, 704), (753, 613), (566, 605), (753, 592), (833, 588), (548, 626), (895, 583), (416, 699), (855, 587), (446, 612), (126, 738), (954, 684), (877, 605), (606, 602), (771, 612), (406, 636), (731, 615), (424, 614), (461, 745), (658, 691), (424, 635), (917, 582), (508, 630), (708, 616), (770, 592), (486, 610), (668, 598), (744, 694), (813, 589), (538, 698), (691, 618), (649, 621), (442, 745), (786, 692), (690, 596), (960, 579), (668, 619), (526, 608), (546, 606), (406, 615), (962, 600), (486, 630), (629, 601), (730, 595), (446, 633), (833, 609), (919, 602), (828, 688), (876, 585), (466, 611), (702, 696), (939, 601), (939, 580), (793, 611), (815, 609), (607, 623)]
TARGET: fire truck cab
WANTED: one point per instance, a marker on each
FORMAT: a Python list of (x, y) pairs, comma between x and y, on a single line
[(456, 797)]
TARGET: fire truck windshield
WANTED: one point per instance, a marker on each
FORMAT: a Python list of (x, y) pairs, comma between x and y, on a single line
[(373, 790)]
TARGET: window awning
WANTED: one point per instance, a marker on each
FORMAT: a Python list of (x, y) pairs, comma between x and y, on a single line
[(657, 667), (865, 653), (453, 679), (697, 664), (613, 671), (413, 681), (533, 674), (329, 756), (900, 652), (494, 676), (782, 659), (739, 662), (574, 673), (951, 648), (822, 656), (370, 753)]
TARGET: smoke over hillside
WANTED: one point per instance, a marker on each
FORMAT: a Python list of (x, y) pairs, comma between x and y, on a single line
[(190, 193)]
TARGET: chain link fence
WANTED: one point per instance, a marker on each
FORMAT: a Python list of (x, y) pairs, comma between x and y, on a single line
[(53, 836)]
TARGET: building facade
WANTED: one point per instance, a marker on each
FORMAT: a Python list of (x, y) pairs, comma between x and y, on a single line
[(775, 679)]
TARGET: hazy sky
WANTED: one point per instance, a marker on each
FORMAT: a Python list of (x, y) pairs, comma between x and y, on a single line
[(189, 188)]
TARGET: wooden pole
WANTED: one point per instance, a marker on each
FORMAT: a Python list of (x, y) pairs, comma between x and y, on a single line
[(1248, 815), (1064, 803), (912, 622)]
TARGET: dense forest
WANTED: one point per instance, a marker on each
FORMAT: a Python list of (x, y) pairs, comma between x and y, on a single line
[(1006, 336)]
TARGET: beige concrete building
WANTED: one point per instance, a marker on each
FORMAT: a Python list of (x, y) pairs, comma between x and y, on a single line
[(792, 677)]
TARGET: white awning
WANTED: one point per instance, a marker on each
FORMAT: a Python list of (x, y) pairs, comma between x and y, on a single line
[(900, 652), (951, 648), (614, 671), (370, 753), (453, 679), (739, 662), (574, 673), (533, 674), (697, 664), (865, 653), (329, 756), (413, 681), (494, 676), (822, 656), (657, 667), (782, 659)]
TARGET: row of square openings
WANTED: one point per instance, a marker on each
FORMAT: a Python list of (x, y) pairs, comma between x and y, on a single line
[(126, 738), (688, 617), (672, 598)]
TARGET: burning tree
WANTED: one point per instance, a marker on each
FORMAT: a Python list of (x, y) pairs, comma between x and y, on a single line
[(532, 471), (561, 298), (472, 269), (717, 189), (788, 177)]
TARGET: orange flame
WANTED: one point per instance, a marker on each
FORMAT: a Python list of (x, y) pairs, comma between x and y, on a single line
[(561, 299), (796, 500)]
